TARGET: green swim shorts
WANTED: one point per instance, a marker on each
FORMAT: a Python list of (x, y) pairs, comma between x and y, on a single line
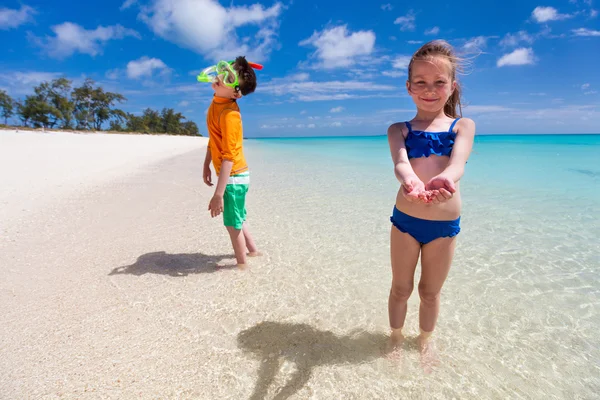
[(234, 200)]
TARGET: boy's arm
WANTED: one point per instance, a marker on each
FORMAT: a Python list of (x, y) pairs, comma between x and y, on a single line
[(223, 178), (231, 124), (208, 157), (216, 204), (206, 174)]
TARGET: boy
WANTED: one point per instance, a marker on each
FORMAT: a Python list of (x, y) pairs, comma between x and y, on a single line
[(225, 150)]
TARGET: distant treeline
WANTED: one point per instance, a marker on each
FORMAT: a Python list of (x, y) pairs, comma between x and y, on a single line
[(57, 105)]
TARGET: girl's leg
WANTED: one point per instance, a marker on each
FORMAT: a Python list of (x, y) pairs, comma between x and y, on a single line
[(404, 253), (436, 258)]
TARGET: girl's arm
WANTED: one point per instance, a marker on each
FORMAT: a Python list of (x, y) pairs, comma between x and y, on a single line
[(463, 144), (402, 168)]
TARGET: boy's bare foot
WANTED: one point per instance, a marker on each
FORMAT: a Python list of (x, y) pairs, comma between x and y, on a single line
[(429, 355), (254, 254)]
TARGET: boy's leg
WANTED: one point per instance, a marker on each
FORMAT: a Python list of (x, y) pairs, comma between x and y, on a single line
[(252, 249), (239, 245), (234, 215)]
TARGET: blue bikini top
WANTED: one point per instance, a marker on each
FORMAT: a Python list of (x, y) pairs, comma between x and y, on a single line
[(423, 144)]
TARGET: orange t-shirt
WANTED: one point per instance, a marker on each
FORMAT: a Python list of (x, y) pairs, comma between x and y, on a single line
[(224, 123)]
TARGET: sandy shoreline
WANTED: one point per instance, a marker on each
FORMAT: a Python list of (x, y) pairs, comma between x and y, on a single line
[(109, 287), (37, 167), (111, 291)]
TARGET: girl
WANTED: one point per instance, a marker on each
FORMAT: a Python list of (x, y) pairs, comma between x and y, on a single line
[(429, 155)]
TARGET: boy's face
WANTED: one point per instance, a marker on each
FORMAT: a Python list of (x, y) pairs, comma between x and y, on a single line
[(222, 90)]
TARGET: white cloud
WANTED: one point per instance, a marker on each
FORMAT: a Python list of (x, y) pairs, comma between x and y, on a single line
[(476, 43), (311, 126), (71, 38), (401, 62), (407, 22), (433, 31), (396, 111), (487, 109), (127, 4), (585, 88), (337, 47), (336, 109), (521, 56), (302, 112), (336, 124), (538, 94), (10, 18), (300, 126), (145, 67), (513, 40), (394, 74), (387, 7), (299, 77), (593, 13), (546, 14), (414, 41), (18, 83), (585, 32), (113, 74), (208, 28), (183, 103), (326, 90)]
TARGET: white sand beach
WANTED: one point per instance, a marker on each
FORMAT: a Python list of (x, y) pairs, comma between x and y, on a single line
[(39, 166), (109, 286)]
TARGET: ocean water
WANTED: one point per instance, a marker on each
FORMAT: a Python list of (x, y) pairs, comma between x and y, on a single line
[(520, 310)]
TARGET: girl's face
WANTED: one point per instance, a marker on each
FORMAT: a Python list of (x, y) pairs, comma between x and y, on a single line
[(431, 84)]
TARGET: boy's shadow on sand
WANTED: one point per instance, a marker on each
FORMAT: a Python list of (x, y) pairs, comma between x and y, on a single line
[(305, 346), (173, 264)]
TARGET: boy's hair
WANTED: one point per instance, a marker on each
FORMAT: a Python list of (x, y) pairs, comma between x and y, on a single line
[(246, 75), (442, 49)]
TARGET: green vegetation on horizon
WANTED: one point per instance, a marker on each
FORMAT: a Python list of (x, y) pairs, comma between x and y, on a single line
[(56, 105)]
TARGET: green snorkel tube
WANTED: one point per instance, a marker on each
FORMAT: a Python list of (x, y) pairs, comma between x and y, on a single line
[(224, 69)]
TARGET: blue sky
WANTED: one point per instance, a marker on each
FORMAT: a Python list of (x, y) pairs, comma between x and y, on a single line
[(331, 67)]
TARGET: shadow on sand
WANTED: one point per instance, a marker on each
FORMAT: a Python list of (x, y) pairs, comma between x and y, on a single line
[(173, 264), (305, 346)]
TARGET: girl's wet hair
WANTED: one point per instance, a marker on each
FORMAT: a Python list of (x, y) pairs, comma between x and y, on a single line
[(442, 49), (246, 75)]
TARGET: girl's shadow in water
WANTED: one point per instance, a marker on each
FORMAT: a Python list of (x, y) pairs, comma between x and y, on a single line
[(307, 348)]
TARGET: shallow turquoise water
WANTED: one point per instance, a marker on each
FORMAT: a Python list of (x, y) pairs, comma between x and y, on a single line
[(520, 310)]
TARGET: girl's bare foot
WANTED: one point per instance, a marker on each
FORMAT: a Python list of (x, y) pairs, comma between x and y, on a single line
[(254, 254), (429, 355), (393, 348), (242, 267)]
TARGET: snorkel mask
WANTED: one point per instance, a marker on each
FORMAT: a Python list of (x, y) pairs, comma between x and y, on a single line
[(225, 71)]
